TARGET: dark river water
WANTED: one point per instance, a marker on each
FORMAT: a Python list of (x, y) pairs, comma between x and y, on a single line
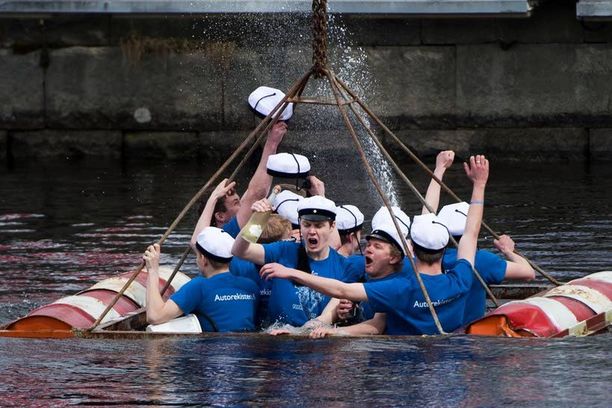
[(66, 225)]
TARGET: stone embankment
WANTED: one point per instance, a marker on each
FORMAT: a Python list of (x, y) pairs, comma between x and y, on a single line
[(537, 88)]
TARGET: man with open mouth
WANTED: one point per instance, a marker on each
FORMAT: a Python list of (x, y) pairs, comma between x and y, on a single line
[(290, 303), (398, 302)]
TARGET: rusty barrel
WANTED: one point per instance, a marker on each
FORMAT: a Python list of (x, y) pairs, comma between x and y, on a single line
[(580, 307), (80, 311)]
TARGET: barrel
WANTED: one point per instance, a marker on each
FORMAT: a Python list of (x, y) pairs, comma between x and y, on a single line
[(580, 307), (80, 311)]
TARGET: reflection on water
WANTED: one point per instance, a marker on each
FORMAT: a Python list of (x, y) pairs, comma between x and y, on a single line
[(60, 234), (451, 372)]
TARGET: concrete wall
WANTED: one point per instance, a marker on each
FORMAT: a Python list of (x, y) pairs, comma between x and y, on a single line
[(536, 89)]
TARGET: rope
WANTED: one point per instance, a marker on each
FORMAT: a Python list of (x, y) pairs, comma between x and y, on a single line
[(419, 196), (261, 129), (319, 40), (176, 269), (336, 90), (430, 173)]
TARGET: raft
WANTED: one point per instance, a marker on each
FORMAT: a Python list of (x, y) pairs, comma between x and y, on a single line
[(581, 307), (525, 312), (77, 313)]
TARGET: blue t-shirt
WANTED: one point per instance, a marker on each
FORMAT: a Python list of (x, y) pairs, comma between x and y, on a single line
[(247, 269), (406, 308), (365, 309), (295, 304), (357, 273), (229, 301), (232, 227), (492, 269)]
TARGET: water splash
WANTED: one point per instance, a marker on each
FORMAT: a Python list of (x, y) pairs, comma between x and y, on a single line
[(281, 53), (352, 67)]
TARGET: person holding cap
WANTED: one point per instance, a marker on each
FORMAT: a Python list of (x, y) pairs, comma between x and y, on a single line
[(400, 299), (232, 212), (221, 301), (289, 303), (264, 99), (492, 268)]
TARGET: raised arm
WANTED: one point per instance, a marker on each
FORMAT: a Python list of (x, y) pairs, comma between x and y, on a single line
[(330, 287), (477, 170), (206, 217), (244, 249), (517, 268), (443, 161), (261, 181), (158, 311), (316, 186)]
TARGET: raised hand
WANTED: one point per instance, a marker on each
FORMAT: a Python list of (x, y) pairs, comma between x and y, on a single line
[(276, 134), (445, 159), (222, 189), (317, 187), (477, 169)]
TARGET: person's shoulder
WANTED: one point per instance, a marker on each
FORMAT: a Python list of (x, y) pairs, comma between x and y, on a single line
[(245, 283), (487, 255), (355, 259), (333, 254), (489, 260), (461, 264), (198, 279), (232, 227), (390, 292), (397, 280), (490, 265), (239, 264), (450, 251), (285, 244), (407, 270)]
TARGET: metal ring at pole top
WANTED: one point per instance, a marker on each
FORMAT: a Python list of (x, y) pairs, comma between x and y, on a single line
[(319, 32)]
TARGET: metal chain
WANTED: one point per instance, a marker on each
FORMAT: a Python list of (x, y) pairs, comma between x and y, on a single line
[(319, 33)]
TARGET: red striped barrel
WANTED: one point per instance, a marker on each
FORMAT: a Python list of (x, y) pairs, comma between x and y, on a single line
[(565, 309), (80, 311)]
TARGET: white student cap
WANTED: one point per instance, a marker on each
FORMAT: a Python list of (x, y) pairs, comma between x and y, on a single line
[(285, 204), (387, 233), (288, 165), (454, 216), (348, 219), (428, 232), (382, 216), (215, 244), (264, 99), (317, 208)]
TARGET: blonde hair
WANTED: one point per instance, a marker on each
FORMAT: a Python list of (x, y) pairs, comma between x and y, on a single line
[(276, 229)]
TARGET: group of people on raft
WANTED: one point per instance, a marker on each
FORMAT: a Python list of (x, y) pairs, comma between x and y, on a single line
[(308, 269)]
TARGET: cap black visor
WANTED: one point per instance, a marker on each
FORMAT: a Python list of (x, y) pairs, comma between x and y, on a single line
[(383, 236), (315, 217)]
